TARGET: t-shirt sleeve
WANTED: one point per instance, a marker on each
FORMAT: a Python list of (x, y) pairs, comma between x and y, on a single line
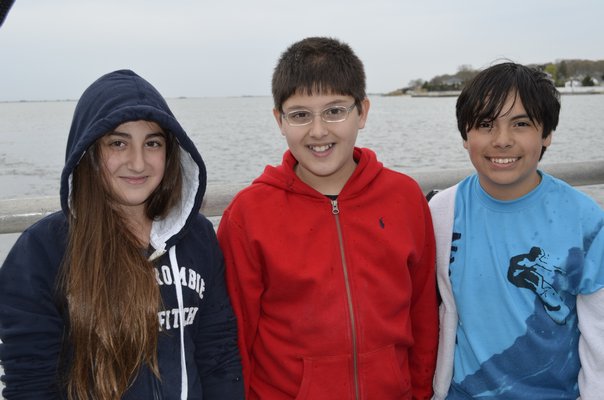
[(590, 310)]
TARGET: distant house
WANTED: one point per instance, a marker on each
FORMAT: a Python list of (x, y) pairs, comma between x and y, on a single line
[(575, 86), (572, 83), (454, 82)]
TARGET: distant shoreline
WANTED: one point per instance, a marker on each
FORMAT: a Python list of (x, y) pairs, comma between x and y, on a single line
[(582, 90), (454, 93), (443, 93)]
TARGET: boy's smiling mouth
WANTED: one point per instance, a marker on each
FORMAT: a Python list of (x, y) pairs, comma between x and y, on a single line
[(320, 148), (503, 160)]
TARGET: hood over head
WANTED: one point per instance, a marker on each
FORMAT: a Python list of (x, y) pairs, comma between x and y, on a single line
[(123, 96)]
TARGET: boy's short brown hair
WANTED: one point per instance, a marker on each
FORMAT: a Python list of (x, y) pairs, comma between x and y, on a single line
[(318, 65)]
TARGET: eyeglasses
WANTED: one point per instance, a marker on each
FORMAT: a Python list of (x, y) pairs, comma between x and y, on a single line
[(305, 117)]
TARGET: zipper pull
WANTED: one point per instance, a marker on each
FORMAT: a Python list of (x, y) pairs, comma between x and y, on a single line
[(334, 207)]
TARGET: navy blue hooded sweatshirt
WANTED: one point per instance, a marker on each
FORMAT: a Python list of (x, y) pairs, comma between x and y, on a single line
[(199, 358)]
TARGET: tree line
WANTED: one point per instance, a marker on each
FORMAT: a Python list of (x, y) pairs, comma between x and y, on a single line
[(588, 72)]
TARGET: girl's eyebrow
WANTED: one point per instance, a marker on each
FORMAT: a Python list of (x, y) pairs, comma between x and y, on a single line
[(118, 133), (148, 135), (156, 134)]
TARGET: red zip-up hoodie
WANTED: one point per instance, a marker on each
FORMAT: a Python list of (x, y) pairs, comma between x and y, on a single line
[(335, 299)]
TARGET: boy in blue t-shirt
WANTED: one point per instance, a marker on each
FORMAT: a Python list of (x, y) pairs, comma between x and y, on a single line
[(520, 254)]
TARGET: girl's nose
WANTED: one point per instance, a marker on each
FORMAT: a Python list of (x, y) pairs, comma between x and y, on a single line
[(136, 161)]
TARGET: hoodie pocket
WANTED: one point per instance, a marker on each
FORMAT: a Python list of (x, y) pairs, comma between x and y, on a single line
[(380, 377), (327, 378)]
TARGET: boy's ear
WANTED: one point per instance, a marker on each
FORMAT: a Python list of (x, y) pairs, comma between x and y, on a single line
[(363, 116), (277, 115), (548, 140), (465, 144)]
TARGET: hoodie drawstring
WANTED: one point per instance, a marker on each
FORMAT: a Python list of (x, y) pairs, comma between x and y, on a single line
[(178, 287)]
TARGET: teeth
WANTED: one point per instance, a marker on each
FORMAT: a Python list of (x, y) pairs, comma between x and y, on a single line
[(319, 149), (503, 160)]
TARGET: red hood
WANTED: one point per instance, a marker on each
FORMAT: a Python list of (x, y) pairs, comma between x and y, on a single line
[(284, 177)]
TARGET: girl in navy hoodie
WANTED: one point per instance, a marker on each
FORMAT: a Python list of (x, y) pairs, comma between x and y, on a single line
[(121, 295)]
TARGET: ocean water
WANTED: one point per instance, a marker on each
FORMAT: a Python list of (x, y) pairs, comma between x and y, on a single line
[(238, 136)]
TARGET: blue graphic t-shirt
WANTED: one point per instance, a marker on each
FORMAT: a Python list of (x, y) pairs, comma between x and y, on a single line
[(516, 269)]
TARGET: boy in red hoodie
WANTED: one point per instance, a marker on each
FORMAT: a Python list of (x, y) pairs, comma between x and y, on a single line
[(330, 256)]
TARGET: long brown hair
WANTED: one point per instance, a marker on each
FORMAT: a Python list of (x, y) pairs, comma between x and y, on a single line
[(109, 285)]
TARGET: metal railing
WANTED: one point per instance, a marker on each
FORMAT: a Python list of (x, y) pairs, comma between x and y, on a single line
[(18, 214)]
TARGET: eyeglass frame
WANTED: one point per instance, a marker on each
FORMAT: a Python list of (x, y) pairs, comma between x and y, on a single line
[(285, 116)]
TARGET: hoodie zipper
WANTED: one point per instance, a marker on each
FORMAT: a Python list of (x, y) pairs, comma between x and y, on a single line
[(336, 212)]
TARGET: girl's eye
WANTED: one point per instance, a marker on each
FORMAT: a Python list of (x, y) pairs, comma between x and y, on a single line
[(117, 143), (154, 143)]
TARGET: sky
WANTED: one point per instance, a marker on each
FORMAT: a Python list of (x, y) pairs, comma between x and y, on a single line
[(52, 50)]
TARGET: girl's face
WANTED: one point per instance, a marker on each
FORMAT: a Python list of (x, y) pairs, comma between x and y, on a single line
[(134, 160)]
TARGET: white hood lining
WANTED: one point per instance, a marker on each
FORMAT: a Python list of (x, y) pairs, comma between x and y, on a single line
[(163, 229)]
